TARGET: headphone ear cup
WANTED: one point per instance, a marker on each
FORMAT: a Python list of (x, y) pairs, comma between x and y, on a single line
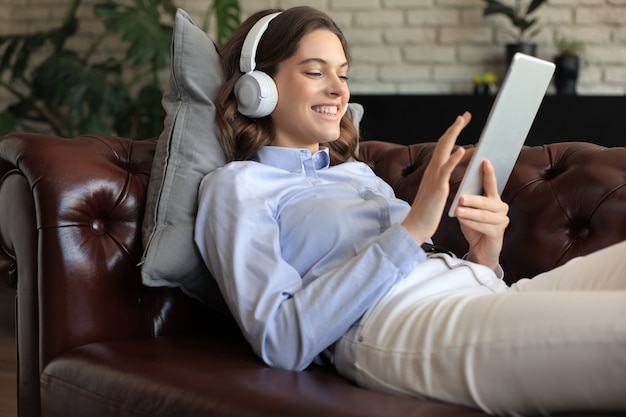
[(256, 94)]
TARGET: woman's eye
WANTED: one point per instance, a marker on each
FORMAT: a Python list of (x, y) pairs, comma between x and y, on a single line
[(319, 74)]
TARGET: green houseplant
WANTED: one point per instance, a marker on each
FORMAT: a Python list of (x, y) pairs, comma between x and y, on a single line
[(520, 17), (69, 92)]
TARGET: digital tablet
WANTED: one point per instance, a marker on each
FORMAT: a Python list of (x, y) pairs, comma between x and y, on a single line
[(508, 123)]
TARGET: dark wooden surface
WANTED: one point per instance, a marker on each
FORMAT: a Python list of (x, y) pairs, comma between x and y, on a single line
[(410, 119)]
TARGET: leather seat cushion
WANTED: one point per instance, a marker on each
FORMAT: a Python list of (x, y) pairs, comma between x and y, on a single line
[(191, 377)]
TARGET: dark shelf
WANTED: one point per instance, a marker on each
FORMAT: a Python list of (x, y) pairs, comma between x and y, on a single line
[(423, 118)]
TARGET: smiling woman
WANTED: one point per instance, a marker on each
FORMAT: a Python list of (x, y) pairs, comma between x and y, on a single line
[(319, 262)]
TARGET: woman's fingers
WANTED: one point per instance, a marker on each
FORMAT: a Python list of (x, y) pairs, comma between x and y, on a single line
[(427, 208), (448, 139), (490, 182), (490, 187), (444, 160)]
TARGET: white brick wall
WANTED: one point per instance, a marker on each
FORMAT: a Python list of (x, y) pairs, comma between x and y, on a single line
[(5, 17), (437, 46), (413, 46)]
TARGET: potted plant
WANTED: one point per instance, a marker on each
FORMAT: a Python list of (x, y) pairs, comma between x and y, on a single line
[(569, 54), (519, 14), (71, 92), (485, 84)]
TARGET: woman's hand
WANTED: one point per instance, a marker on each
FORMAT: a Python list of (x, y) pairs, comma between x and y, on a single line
[(483, 220), (427, 208)]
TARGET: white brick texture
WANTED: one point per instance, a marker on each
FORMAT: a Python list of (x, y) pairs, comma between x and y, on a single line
[(415, 46)]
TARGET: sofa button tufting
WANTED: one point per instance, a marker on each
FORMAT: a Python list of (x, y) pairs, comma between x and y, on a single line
[(583, 233), (97, 225)]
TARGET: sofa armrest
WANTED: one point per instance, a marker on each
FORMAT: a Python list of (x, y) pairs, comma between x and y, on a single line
[(565, 200), (81, 245), (70, 243)]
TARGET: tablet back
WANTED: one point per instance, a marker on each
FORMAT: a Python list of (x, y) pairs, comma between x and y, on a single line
[(508, 123)]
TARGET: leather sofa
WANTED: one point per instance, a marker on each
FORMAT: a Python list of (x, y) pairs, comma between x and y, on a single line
[(92, 340)]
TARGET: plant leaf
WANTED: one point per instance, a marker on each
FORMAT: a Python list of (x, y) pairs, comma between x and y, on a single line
[(533, 6), (227, 14), (29, 45), (533, 34), (22, 47), (85, 96), (139, 24), (526, 24), (496, 7), (170, 7), (7, 56)]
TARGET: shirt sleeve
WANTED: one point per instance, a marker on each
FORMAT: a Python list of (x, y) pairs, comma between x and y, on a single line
[(288, 323)]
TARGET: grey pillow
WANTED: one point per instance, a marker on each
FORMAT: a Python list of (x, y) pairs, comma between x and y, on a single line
[(187, 150)]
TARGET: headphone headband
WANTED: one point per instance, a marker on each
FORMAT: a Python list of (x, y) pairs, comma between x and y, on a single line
[(247, 60)]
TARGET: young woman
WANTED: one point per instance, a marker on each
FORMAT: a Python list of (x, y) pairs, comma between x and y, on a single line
[(319, 261)]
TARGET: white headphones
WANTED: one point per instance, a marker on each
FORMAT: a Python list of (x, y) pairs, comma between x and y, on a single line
[(255, 91)]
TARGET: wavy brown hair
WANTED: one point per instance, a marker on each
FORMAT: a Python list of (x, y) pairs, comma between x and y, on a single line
[(242, 136)]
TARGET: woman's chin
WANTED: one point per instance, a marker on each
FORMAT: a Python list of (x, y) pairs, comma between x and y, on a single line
[(328, 140), (329, 136)]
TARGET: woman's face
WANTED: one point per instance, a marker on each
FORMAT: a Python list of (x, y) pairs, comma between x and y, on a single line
[(312, 92)]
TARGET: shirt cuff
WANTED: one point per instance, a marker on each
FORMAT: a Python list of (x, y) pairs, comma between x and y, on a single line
[(401, 249)]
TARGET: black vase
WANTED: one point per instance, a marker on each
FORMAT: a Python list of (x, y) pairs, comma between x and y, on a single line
[(525, 48), (566, 74)]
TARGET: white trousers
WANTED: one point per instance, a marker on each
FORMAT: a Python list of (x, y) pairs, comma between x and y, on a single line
[(453, 332)]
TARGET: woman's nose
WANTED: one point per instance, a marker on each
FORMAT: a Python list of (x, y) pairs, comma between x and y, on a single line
[(338, 86)]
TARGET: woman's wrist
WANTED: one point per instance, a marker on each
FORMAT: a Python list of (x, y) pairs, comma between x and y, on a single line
[(413, 232), (493, 264)]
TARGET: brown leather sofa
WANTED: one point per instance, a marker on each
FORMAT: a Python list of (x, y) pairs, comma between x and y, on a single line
[(93, 341)]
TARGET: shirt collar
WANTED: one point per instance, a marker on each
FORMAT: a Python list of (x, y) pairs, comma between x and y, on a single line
[(291, 159)]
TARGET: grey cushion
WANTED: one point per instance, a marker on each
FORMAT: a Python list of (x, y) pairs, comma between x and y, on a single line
[(187, 150)]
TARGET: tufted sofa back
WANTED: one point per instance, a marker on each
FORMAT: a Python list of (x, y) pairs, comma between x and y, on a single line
[(565, 200)]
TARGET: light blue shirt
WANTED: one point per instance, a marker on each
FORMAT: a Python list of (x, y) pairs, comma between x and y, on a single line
[(300, 249)]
